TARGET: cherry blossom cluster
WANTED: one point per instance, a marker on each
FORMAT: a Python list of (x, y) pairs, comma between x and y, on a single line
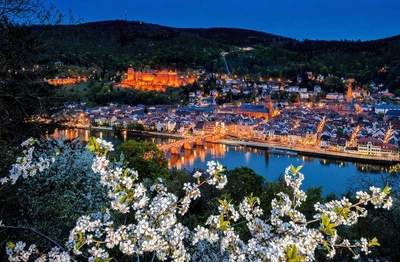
[(18, 252), (156, 212), (156, 229), (27, 165)]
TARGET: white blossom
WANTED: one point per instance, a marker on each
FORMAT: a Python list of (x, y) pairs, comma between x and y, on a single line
[(157, 227)]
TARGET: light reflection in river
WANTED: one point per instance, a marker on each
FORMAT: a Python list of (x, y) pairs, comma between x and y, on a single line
[(332, 174)]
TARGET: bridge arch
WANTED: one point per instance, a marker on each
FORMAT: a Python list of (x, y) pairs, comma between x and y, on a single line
[(209, 139), (188, 145), (176, 150), (200, 142)]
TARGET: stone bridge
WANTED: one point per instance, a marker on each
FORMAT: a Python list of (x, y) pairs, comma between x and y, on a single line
[(186, 144)]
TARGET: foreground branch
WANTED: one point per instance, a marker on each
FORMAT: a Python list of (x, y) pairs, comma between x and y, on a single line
[(37, 233)]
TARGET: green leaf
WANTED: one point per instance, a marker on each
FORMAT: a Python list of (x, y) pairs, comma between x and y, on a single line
[(223, 225), (342, 212), (374, 242), (325, 219), (252, 200), (295, 170), (222, 202), (78, 245), (122, 200), (328, 228), (11, 245), (93, 145), (125, 172), (292, 253), (103, 259), (387, 190)]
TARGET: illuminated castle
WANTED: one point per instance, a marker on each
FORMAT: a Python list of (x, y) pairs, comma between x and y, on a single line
[(151, 80)]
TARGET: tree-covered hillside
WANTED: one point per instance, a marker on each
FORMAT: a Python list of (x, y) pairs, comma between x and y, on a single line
[(117, 45)]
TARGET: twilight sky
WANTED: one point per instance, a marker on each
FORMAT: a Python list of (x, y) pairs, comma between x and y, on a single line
[(300, 19)]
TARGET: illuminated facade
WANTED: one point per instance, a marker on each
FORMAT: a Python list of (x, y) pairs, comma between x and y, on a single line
[(268, 106), (152, 80), (349, 93), (372, 146), (256, 111), (66, 81)]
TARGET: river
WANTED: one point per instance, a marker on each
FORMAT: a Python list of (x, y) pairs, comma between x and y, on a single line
[(335, 176)]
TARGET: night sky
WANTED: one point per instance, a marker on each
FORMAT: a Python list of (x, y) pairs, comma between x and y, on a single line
[(300, 19)]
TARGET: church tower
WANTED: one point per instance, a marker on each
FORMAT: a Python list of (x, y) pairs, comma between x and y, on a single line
[(268, 106), (349, 93)]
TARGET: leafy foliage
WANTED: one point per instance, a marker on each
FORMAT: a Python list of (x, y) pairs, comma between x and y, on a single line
[(24, 99), (145, 158), (243, 181), (52, 200)]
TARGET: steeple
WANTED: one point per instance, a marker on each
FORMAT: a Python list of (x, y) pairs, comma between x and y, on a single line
[(349, 93), (268, 106)]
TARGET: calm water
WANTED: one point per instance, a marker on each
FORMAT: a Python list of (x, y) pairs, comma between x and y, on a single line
[(333, 175)]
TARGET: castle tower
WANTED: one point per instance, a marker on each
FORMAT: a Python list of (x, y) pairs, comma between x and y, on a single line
[(131, 74), (349, 93)]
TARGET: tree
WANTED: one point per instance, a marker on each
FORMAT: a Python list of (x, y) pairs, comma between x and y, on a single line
[(146, 158), (28, 105), (51, 201), (293, 97), (244, 181), (333, 84), (25, 101), (383, 224)]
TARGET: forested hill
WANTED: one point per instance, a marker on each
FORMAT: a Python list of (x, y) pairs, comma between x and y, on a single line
[(117, 45), (234, 36)]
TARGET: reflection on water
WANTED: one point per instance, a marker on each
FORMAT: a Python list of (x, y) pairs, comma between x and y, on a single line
[(116, 137), (332, 174), (370, 168), (188, 158), (362, 167), (328, 162), (308, 158)]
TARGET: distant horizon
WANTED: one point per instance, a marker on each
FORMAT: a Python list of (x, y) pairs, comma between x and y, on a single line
[(310, 19)]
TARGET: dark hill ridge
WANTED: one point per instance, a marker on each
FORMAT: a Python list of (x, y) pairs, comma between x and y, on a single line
[(224, 35), (233, 36), (117, 45)]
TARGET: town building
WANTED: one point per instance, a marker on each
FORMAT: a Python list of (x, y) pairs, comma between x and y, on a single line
[(251, 110), (373, 146)]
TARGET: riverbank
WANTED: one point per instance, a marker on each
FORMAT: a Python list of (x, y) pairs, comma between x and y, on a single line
[(132, 132), (315, 152), (306, 151)]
